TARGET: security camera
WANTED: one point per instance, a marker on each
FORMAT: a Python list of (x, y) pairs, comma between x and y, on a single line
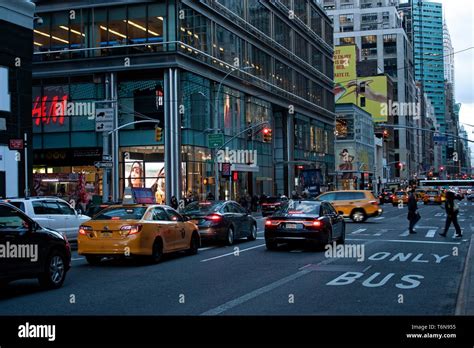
[(38, 20)]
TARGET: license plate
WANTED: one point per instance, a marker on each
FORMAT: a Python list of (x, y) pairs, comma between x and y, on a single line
[(293, 226), (431, 198), (106, 234)]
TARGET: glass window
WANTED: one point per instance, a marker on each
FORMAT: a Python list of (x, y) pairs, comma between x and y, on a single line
[(259, 16), (301, 10), (52, 208), (173, 215), (11, 219), (194, 30), (283, 75), (121, 213), (300, 208), (19, 205), (137, 25), (347, 40), (118, 26), (234, 6), (227, 46), (99, 31), (159, 215), (316, 21), (282, 33), (327, 197), (156, 23), (261, 63), (66, 209), (301, 47), (59, 31), (38, 208), (41, 34), (77, 30)]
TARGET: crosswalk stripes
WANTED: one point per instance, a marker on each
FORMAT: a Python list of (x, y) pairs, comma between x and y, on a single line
[(430, 233), (360, 230)]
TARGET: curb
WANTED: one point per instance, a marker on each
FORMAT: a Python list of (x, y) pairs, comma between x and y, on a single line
[(465, 299)]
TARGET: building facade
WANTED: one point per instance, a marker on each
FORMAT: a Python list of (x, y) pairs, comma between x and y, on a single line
[(196, 67), (428, 49), (16, 21), (375, 26)]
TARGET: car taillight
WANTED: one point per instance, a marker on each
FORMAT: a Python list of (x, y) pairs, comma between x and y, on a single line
[(84, 230), (214, 217), (268, 223), (132, 229), (374, 202), (317, 223)]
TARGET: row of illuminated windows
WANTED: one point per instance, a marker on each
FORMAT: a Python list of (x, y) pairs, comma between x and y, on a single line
[(311, 137), (100, 27)]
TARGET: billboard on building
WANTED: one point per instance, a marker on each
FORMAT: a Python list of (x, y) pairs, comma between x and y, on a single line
[(369, 93)]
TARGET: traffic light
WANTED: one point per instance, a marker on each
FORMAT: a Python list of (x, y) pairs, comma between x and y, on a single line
[(205, 181), (385, 135), (400, 165), (267, 135), (441, 168), (158, 133)]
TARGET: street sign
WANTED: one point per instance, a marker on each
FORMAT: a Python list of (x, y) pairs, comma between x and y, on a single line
[(106, 158), (15, 144), (104, 164), (440, 138), (104, 119), (215, 140), (226, 169)]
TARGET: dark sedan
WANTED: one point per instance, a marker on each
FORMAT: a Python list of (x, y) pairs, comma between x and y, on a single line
[(271, 204), (223, 221), (309, 221), (28, 250)]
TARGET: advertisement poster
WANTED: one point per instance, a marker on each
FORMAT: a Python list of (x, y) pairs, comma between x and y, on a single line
[(146, 174), (352, 89)]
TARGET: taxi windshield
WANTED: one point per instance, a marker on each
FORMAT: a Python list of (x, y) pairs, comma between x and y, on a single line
[(121, 213)]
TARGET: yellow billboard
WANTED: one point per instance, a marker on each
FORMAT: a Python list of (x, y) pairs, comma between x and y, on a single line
[(344, 63)]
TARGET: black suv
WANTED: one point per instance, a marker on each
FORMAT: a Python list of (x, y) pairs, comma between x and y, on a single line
[(28, 250), (272, 204)]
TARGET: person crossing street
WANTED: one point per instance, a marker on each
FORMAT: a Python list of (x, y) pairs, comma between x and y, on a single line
[(452, 210), (413, 215)]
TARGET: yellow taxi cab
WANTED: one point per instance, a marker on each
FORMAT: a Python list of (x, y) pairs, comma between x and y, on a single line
[(433, 197), (137, 230), (355, 204), (400, 196), (420, 194)]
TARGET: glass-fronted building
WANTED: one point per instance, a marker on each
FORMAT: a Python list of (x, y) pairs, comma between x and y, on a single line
[(191, 68)]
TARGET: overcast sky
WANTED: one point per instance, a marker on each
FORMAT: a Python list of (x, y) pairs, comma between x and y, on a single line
[(459, 15)]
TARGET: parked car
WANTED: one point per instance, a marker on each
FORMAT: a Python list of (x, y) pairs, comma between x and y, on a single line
[(358, 205), (46, 254), (316, 222), (223, 221), (400, 197), (271, 204), (139, 229), (53, 213)]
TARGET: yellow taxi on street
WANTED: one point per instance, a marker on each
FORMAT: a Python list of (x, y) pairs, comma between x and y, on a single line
[(355, 204), (433, 197), (137, 230), (400, 197)]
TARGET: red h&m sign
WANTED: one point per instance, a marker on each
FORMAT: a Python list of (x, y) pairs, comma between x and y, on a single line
[(49, 109)]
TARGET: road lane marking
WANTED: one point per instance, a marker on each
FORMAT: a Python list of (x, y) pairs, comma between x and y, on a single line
[(81, 258), (380, 218), (439, 214), (430, 234), (251, 295), (359, 231), (405, 241), (232, 253), (405, 234), (207, 248)]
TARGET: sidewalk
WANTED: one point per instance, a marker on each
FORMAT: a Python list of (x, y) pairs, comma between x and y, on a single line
[(465, 300)]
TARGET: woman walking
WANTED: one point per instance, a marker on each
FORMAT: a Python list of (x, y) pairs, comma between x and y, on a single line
[(452, 210)]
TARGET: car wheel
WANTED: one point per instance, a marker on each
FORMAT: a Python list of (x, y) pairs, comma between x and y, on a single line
[(93, 259), (230, 236), (194, 244), (358, 215), (271, 244), (342, 239), (253, 233), (54, 272), (157, 251)]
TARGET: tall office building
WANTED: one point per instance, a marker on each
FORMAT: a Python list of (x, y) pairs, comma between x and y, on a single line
[(375, 27), (429, 51), (448, 52)]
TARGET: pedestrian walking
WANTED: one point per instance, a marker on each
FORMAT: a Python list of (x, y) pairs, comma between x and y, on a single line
[(452, 211), (174, 202), (413, 215)]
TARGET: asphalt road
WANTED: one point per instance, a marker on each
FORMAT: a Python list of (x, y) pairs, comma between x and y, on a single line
[(395, 274)]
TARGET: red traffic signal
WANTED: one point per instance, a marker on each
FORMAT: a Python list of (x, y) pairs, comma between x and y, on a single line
[(267, 135), (441, 168)]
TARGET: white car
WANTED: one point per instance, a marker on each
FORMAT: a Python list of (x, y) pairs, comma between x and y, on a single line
[(53, 213)]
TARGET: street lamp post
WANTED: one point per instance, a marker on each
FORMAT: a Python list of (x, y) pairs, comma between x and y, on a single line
[(217, 128)]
